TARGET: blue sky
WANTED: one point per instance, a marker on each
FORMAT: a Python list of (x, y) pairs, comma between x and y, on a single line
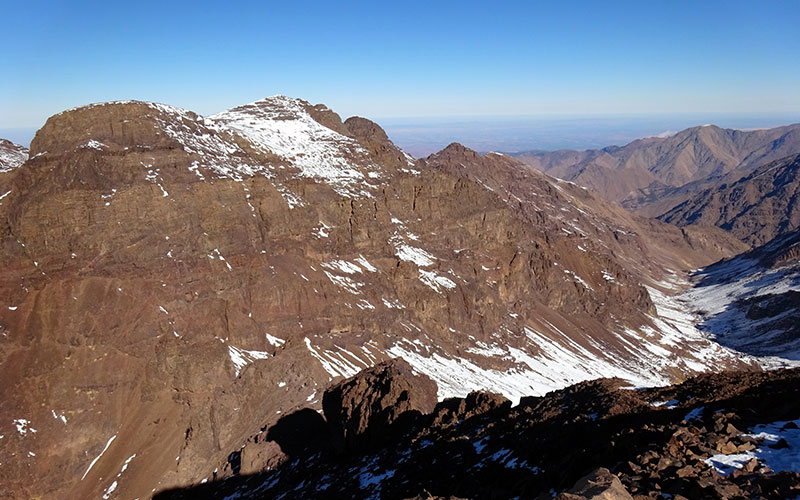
[(396, 59)]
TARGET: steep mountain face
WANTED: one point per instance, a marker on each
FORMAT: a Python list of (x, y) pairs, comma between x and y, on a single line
[(752, 302), (756, 208), (645, 247), (721, 436), (652, 175), (169, 279)]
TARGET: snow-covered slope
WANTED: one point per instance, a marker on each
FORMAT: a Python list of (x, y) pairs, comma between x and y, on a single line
[(752, 303), (11, 155), (284, 126)]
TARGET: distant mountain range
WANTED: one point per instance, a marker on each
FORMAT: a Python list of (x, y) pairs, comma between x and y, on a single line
[(755, 208), (651, 176)]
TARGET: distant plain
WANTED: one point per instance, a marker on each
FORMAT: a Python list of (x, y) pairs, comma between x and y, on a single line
[(421, 136)]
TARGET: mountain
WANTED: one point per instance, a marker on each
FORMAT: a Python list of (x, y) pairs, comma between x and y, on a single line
[(652, 175), (11, 155), (755, 208), (169, 279), (723, 436), (751, 302)]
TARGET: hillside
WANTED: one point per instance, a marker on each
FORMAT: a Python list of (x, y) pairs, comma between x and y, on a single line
[(755, 208), (752, 302)]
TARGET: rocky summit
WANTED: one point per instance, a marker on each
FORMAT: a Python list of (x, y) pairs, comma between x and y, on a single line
[(182, 295)]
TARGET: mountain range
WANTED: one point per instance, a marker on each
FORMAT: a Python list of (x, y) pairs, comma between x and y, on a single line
[(650, 176), (177, 285), (755, 208)]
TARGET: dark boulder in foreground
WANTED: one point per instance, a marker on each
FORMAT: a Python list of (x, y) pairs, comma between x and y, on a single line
[(599, 484), (365, 410)]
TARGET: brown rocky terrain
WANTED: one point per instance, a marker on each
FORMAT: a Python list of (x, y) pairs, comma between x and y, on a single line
[(170, 279), (755, 208), (722, 436), (652, 175)]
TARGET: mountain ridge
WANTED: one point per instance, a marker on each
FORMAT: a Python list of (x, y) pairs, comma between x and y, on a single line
[(172, 278), (650, 175), (11, 155), (755, 208)]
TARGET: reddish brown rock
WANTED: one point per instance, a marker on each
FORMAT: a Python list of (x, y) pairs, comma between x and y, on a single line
[(755, 208), (170, 279), (361, 411), (600, 484)]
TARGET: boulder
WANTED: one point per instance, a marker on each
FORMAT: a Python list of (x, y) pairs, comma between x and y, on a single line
[(453, 410), (599, 484), (368, 409)]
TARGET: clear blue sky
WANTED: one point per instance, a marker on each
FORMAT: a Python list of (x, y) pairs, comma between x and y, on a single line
[(405, 58)]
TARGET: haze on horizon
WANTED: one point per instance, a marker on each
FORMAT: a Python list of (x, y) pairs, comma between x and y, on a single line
[(468, 71)]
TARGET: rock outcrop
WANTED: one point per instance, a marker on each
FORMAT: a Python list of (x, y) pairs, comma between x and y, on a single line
[(723, 436), (364, 411), (599, 484)]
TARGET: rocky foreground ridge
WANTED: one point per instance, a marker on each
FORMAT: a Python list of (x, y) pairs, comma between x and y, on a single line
[(383, 435), (168, 279)]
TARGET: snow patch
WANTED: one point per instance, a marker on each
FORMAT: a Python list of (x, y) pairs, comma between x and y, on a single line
[(335, 363), (777, 459), (435, 281), (242, 357), (110, 440), (275, 341), (416, 255), (283, 126)]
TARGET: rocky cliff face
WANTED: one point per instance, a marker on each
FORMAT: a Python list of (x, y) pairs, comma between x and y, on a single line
[(169, 279), (362, 411), (755, 208), (650, 176)]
